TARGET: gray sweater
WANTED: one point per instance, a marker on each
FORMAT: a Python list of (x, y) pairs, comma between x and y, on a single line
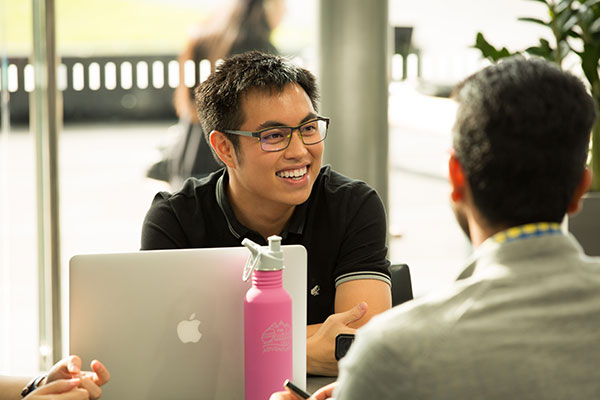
[(522, 322)]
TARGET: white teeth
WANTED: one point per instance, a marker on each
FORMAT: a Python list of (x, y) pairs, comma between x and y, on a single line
[(294, 174)]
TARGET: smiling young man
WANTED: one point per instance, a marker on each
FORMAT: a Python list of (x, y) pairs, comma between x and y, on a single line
[(260, 115)]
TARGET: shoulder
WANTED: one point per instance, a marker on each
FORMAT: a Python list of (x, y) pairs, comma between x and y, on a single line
[(192, 189), (332, 184), (430, 315), (333, 179)]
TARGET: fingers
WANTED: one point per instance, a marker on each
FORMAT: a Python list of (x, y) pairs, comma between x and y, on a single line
[(102, 374), (75, 394), (281, 396), (90, 386), (354, 314), (59, 386), (67, 368), (285, 395), (74, 365), (325, 392)]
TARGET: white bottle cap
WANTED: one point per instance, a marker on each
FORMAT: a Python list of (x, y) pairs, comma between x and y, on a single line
[(261, 258)]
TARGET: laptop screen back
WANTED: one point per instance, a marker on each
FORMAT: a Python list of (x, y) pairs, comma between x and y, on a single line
[(169, 323)]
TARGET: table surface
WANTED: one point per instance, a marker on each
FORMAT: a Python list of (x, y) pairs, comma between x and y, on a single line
[(314, 382)]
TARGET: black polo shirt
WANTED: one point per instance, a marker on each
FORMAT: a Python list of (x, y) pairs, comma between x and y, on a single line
[(342, 225)]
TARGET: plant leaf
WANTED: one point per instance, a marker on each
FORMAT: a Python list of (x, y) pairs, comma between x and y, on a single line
[(562, 6), (589, 63), (569, 24), (591, 3), (489, 51), (534, 20)]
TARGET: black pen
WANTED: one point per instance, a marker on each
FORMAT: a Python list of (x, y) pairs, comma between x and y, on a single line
[(296, 389)]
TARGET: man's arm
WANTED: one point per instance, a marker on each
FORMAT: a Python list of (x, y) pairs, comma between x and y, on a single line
[(375, 293), (321, 337), (10, 387)]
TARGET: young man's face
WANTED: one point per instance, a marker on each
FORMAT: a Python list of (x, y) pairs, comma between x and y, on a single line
[(260, 175)]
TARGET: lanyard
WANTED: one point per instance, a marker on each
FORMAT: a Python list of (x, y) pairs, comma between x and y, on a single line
[(527, 231)]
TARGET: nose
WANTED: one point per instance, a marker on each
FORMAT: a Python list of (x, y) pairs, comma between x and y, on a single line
[(296, 148)]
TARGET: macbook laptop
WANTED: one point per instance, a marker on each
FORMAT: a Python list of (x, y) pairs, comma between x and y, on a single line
[(168, 324)]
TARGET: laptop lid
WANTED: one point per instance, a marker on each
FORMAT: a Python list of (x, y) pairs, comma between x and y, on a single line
[(169, 323)]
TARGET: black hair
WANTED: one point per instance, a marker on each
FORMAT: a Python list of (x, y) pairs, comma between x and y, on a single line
[(522, 136), (218, 98)]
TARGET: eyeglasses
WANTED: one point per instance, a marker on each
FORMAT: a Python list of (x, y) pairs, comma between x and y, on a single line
[(279, 137)]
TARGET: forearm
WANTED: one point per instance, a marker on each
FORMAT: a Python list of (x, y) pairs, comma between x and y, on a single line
[(319, 361), (11, 386), (315, 348)]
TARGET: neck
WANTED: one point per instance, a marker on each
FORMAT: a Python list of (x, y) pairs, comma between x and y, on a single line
[(266, 219), (480, 230)]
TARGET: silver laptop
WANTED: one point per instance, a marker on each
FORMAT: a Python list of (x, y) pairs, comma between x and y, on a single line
[(168, 324)]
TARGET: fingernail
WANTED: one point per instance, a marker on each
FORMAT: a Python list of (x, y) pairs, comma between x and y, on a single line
[(362, 305), (75, 381)]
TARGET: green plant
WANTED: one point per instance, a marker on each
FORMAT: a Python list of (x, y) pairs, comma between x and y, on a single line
[(575, 26)]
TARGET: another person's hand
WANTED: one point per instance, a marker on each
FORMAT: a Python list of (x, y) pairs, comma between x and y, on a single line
[(320, 347), (70, 367), (324, 393), (62, 389)]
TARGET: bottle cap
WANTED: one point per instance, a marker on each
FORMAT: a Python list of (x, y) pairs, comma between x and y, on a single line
[(263, 258)]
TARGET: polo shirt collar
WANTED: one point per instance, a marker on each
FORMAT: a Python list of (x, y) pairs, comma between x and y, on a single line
[(503, 252), (294, 226)]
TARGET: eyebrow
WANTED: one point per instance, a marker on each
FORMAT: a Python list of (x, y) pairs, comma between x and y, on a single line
[(272, 124)]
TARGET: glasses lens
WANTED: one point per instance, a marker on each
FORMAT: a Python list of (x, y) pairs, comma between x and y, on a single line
[(313, 131), (275, 138), (278, 138)]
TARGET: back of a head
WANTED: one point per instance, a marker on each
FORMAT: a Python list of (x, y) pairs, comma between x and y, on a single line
[(522, 135), (219, 97)]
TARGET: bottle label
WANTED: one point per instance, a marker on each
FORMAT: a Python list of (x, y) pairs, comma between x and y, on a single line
[(277, 337)]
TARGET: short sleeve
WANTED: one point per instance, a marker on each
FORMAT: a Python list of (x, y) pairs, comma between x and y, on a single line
[(363, 252)]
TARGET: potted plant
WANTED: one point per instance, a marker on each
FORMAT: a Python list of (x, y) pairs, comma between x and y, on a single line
[(575, 27)]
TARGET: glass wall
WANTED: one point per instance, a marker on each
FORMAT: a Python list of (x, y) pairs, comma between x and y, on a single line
[(18, 232)]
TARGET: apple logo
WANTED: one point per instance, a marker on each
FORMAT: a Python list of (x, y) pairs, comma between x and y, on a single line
[(187, 330)]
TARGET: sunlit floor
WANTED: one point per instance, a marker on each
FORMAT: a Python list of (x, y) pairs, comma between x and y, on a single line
[(104, 196)]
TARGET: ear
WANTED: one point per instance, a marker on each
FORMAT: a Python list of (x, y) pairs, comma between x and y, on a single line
[(457, 179), (224, 148), (580, 190)]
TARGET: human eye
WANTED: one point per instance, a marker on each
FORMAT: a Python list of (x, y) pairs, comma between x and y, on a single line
[(310, 128), (275, 135)]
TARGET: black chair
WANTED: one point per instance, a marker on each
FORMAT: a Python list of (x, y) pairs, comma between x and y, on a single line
[(401, 284)]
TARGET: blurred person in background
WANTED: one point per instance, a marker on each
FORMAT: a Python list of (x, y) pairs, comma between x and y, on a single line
[(244, 25)]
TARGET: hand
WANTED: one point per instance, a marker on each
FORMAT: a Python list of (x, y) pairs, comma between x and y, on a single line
[(62, 389), (320, 347), (324, 393), (70, 367)]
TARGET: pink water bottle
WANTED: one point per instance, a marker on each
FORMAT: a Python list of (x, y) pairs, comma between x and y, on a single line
[(267, 322)]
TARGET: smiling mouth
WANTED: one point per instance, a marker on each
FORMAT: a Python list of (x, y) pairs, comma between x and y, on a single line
[(295, 174)]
